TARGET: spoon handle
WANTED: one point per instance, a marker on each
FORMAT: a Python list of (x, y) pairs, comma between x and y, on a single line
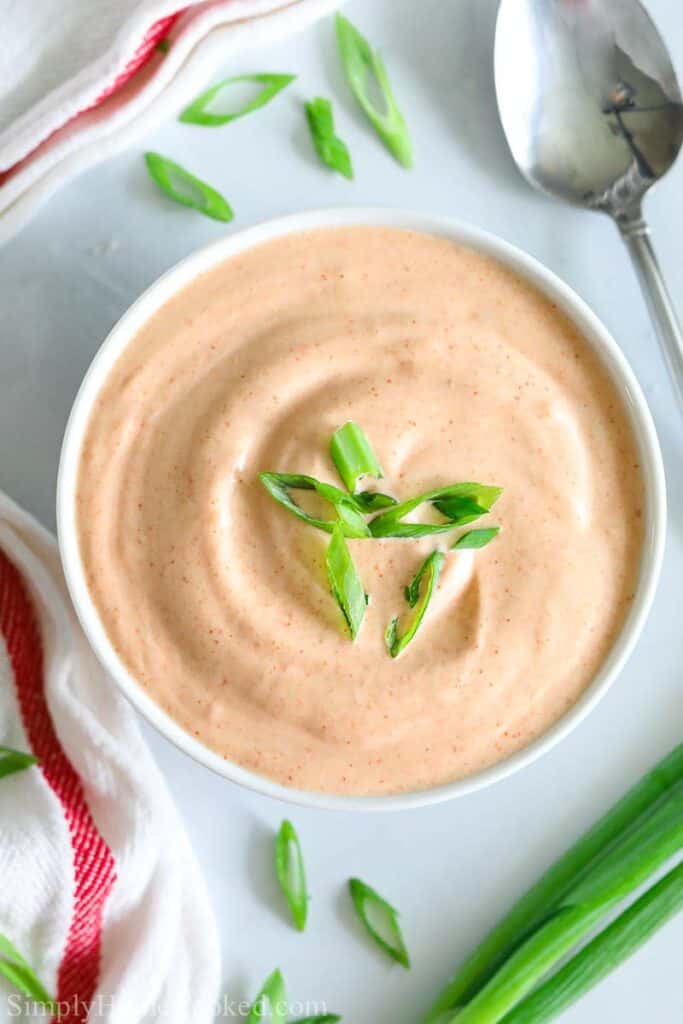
[(636, 235)]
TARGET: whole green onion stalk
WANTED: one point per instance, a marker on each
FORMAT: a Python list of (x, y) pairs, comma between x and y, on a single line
[(636, 837)]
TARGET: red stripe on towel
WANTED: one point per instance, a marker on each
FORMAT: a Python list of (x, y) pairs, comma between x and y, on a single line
[(140, 57), (155, 33), (94, 869)]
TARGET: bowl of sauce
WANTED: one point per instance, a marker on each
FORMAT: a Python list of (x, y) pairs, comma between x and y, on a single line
[(462, 358)]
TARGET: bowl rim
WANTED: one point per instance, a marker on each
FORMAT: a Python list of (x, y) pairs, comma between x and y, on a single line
[(596, 335)]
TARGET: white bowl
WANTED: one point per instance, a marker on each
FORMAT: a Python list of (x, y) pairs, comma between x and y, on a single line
[(593, 331)]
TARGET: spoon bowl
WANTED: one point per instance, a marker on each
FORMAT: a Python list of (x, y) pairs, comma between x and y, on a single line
[(593, 114)]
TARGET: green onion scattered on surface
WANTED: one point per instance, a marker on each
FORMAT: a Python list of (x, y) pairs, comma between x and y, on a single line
[(605, 952), (184, 188), (21, 975), (289, 865), (459, 499), (349, 515), (429, 571), (366, 74), (164, 45), (321, 1018), (271, 1001), (380, 919), (12, 761), (332, 150), (621, 850), (476, 538), (345, 583), (353, 456), (198, 111)]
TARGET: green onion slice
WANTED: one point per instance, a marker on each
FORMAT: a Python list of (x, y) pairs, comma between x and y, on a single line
[(164, 45), (321, 1018), (457, 502), (429, 571), (345, 582), (349, 515), (332, 150), (365, 73), (353, 456), (380, 920), (289, 865), (374, 501), (272, 1000), (464, 509), (476, 538), (182, 187), (21, 975), (12, 761), (198, 113)]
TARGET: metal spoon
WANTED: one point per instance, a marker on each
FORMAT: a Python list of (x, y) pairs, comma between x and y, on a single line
[(592, 112)]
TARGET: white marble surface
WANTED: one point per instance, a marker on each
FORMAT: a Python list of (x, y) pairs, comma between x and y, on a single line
[(454, 868)]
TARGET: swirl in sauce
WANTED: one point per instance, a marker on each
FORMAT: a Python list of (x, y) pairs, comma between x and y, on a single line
[(216, 598)]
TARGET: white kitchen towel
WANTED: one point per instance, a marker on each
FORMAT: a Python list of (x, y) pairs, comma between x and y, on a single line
[(99, 889), (82, 80)]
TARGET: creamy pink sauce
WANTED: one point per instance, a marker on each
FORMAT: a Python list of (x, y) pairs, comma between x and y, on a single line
[(216, 598)]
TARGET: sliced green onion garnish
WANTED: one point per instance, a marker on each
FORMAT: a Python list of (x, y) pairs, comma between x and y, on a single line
[(364, 69), (462, 509), (605, 952), (429, 571), (289, 865), (353, 456), (12, 761), (389, 523), (330, 148), (345, 582), (349, 515), (374, 501), (272, 1000), (380, 920), (21, 975), (476, 538), (182, 187), (164, 45), (198, 113)]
